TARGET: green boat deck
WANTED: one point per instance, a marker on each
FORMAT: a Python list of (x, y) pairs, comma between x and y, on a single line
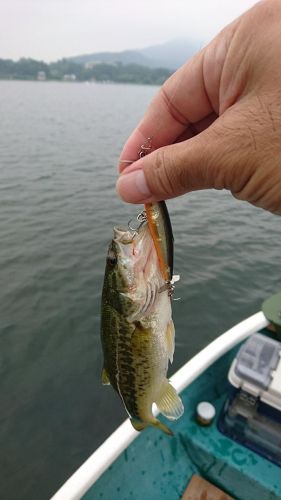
[(156, 466)]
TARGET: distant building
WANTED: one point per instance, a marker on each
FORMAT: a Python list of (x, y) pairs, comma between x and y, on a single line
[(92, 64), (69, 78), (41, 76)]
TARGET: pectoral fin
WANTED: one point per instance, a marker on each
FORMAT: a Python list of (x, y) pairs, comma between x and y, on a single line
[(169, 403), (104, 377)]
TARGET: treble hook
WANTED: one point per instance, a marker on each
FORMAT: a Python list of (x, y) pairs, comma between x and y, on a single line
[(145, 148), (142, 219)]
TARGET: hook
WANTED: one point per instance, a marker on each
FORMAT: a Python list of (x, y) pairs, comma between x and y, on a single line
[(142, 219), (145, 148)]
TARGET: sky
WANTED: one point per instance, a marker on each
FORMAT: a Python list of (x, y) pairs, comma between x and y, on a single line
[(51, 29)]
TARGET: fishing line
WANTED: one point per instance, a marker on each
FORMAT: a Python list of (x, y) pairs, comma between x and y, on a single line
[(147, 146)]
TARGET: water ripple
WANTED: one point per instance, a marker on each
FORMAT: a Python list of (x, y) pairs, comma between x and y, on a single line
[(57, 210)]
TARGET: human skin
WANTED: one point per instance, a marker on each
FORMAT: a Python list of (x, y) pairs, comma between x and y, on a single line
[(216, 122)]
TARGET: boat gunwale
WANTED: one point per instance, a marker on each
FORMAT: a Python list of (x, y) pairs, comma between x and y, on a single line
[(91, 470)]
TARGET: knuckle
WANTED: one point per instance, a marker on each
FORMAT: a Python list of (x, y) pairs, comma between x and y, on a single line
[(263, 188)]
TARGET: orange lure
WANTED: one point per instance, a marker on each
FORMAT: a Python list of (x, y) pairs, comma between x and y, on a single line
[(160, 227), (161, 232)]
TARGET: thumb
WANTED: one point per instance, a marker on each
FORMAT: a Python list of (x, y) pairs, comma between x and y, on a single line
[(224, 155)]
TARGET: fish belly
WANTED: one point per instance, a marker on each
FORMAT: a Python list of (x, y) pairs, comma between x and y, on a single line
[(149, 358), (136, 356)]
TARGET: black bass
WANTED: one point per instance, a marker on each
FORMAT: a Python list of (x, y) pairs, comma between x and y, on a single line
[(137, 330)]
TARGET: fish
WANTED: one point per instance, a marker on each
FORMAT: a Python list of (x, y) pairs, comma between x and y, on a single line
[(137, 330)]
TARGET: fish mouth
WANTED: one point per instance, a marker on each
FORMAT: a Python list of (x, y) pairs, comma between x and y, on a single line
[(122, 235), (138, 265), (127, 235), (120, 229), (143, 251), (135, 250)]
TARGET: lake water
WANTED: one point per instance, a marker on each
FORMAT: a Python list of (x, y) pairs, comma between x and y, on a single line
[(59, 146)]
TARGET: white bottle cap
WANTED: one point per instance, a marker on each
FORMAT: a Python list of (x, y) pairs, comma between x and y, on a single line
[(205, 413)]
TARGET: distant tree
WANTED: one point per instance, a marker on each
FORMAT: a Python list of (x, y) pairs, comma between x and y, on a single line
[(28, 69)]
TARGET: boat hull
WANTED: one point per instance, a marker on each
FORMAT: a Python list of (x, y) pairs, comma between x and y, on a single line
[(158, 467)]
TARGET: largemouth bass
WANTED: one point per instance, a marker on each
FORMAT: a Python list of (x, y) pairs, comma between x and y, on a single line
[(137, 330)]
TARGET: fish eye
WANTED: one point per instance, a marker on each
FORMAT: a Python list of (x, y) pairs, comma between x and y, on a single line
[(111, 260)]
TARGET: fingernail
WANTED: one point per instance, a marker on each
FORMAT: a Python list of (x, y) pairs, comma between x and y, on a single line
[(132, 187)]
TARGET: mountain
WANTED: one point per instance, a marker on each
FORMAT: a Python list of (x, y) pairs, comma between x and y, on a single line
[(172, 54), (169, 55), (150, 66), (124, 57)]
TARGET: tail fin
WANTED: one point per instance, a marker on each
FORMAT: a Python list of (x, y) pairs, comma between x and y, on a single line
[(162, 427), (138, 425)]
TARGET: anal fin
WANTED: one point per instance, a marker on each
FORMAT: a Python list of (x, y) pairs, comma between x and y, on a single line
[(169, 403)]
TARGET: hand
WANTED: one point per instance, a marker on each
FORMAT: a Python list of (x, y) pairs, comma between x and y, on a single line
[(216, 122)]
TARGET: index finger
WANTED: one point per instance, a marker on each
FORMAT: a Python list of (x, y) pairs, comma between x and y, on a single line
[(181, 101)]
